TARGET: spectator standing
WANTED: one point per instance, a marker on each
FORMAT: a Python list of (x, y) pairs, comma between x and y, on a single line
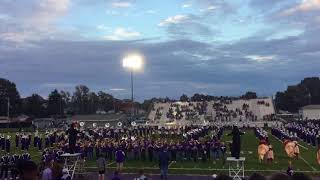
[(120, 157), (47, 172), (101, 162), (164, 163)]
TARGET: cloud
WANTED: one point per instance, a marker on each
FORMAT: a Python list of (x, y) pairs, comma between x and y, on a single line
[(58, 85), (122, 34), (174, 20), (103, 27), (209, 9), (186, 5), (98, 63), (304, 6), (121, 4), (259, 58), (183, 26), (117, 89), (31, 20)]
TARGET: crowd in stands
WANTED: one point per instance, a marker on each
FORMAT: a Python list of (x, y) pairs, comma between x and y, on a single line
[(223, 113)]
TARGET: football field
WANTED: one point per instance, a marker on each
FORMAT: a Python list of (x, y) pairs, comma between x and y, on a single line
[(306, 162)]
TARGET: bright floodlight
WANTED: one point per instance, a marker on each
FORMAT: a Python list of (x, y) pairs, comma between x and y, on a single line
[(133, 62)]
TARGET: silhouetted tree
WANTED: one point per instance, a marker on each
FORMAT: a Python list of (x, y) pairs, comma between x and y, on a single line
[(184, 98), (34, 106), (55, 103), (9, 91)]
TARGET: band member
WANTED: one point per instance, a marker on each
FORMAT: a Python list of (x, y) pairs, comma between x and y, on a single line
[(270, 155), (8, 144), (5, 160), (14, 169)]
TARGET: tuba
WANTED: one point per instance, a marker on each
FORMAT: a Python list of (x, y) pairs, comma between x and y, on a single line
[(81, 124), (94, 125), (119, 124)]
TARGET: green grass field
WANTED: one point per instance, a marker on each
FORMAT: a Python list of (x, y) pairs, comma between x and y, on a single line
[(306, 163)]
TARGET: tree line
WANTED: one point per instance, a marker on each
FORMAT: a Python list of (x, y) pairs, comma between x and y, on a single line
[(58, 103), (307, 92)]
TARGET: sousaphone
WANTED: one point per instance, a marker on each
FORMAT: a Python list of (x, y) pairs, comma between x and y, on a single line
[(119, 124)]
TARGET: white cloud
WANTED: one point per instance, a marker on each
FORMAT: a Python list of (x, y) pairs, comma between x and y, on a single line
[(259, 58), (186, 5), (117, 89), (121, 4), (103, 27), (305, 5), (58, 85), (122, 34), (31, 20), (177, 19), (209, 9), (193, 55)]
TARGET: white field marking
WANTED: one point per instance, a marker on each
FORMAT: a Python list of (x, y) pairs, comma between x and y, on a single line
[(211, 169), (314, 169), (303, 147), (111, 163), (300, 157)]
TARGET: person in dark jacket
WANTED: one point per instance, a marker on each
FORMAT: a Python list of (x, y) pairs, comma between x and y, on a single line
[(236, 142), (72, 132), (164, 163)]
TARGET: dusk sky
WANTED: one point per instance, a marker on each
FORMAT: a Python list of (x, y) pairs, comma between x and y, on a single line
[(217, 47)]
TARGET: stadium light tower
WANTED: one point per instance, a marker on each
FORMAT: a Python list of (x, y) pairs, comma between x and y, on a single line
[(133, 62)]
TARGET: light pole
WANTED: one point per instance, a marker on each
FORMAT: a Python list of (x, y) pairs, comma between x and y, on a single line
[(133, 62), (8, 110)]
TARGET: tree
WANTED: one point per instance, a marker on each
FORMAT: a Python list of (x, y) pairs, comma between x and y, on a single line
[(34, 105), (305, 93), (250, 95), (93, 102), (55, 103), (66, 102), (8, 91), (80, 99), (184, 98), (106, 101)]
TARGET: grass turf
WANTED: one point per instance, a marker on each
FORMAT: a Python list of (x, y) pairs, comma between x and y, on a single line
[(306, 163)]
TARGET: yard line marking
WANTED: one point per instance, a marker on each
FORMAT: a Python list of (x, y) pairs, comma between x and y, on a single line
[(111, 163), (303, 147), (211, 169), (314, 169), (300, 157)]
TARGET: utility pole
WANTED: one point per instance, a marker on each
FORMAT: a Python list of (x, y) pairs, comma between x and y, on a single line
[(8, 110), (8, 122), (132, 101)]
